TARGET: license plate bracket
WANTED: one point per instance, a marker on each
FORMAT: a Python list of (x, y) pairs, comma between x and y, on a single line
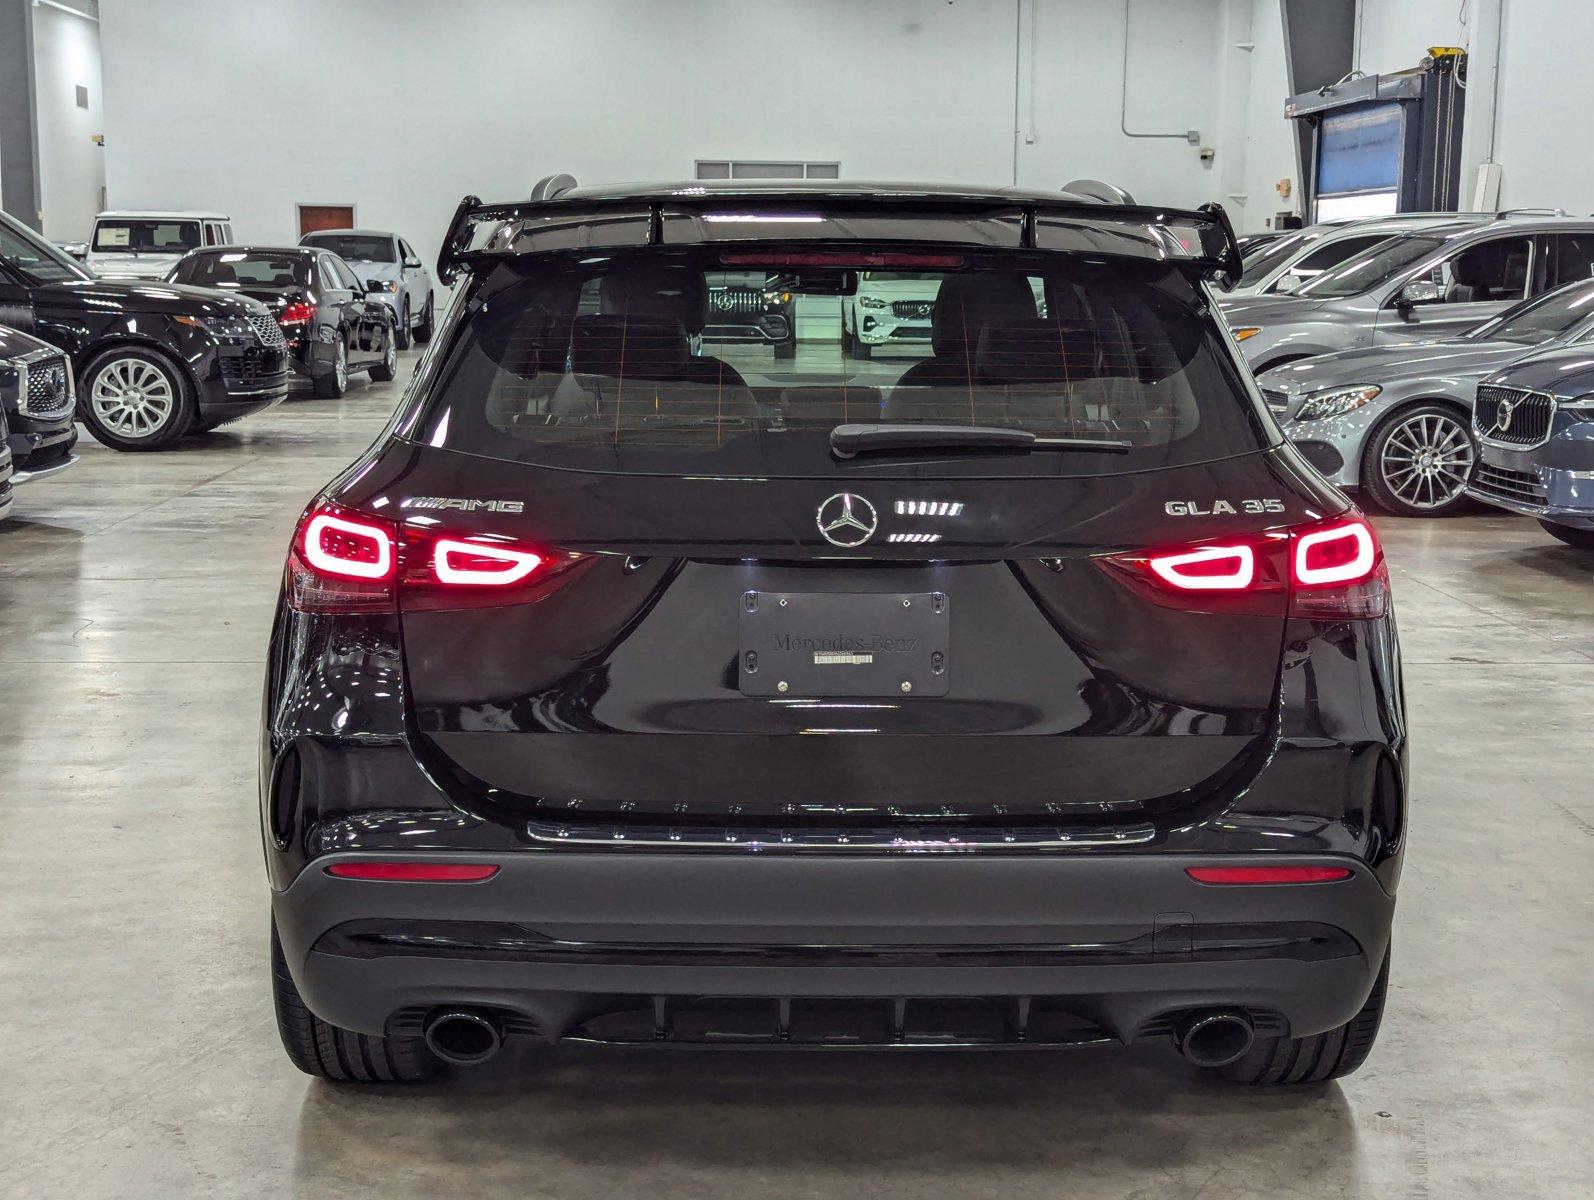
[(840, 644)]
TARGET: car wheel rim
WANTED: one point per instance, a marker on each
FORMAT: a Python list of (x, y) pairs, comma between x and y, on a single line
[(133, 398), (1426, 460), (390, 360), (340, 368)]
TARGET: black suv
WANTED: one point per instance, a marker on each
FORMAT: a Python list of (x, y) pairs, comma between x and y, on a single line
[(153, 361), (634, 688)]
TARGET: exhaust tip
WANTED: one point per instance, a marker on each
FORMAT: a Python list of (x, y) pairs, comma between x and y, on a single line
[(461, 1037), (1215, 1037)]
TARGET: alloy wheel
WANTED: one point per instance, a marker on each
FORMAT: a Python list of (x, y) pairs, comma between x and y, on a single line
[(340, 366), (390, 355), (133, 398), (1426, 460)]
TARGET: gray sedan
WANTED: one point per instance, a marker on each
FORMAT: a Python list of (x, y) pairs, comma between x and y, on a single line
[(1395, 420), (391, 270)]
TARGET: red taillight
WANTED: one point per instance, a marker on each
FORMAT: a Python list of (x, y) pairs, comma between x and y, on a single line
[(414, 872), (342, 562), (1209, 569), (345, 561), (296, 314), (480, 563), (1256, 875), (1329, 570)]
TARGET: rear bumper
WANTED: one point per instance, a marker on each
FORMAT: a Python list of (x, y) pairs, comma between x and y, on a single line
[(1121, 941)]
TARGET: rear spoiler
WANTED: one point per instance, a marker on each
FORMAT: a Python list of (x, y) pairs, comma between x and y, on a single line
[(1200, 240)]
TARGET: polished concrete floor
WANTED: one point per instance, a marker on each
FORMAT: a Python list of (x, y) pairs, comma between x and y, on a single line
[(140, 1056)]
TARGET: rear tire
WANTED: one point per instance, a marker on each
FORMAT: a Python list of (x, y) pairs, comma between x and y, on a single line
[(423, 331), (1318, 1058), (1578, 539), (340, 1055)]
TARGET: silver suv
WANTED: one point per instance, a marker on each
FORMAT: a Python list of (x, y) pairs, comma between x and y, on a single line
[(1428, 285), (1285, 266)]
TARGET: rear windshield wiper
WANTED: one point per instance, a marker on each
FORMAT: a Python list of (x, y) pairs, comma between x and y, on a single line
[(849, 441)]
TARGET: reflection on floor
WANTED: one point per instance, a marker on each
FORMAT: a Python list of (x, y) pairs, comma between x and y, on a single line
[(136, 594)]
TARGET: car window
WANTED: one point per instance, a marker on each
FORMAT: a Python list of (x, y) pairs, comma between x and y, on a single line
[(34, 259), (123, 236), (242, 269), (348, 277), (1320, 259), (1571, 257), (355, 247), (1542, 318), (1491, 270), (628, 363), (1371, 268), (212, 234), (1275, 255)]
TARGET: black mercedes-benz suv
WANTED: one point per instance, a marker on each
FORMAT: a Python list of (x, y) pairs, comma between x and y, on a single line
[(634, 688), (153, 361)]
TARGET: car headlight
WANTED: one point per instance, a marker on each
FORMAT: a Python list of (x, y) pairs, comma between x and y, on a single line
[(231, 325), (1337, 403), (383, 285), (870, 302), (1245, 331)]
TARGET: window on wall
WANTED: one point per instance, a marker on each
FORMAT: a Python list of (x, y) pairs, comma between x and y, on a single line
[(721, 168)]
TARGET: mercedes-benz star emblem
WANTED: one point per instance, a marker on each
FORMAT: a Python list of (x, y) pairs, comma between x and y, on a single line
[(1502, 415), (847, 520)]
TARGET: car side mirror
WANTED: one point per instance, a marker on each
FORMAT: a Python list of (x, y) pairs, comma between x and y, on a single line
[(1287, 284), (412, 263), (78, 250), (1421, 291)]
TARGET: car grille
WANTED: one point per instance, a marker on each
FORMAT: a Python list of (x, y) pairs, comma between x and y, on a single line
[(736, 300), (266, 328), (253, 368), (912, 310), (1502, 483), (49, 392), (1513, 416)]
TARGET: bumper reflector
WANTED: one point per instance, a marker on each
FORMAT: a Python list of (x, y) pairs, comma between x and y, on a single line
[(414, 872), (1252, 875)]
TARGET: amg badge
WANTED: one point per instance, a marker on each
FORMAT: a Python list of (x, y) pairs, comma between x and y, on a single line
[(503, 506)]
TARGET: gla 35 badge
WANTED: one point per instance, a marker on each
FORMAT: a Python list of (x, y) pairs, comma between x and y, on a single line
[(1221, 508)]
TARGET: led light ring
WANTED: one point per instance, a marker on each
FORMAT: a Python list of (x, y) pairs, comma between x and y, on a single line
[(1357, 568), (318, 557), (1166, 567), (520, 563)]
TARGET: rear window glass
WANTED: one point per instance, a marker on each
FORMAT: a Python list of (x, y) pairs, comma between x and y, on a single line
[(155, 237), (355, 247), (722, 362), (232, 269)]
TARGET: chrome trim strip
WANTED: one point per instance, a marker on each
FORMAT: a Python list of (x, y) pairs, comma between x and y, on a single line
[(899, 840), (22, 477)]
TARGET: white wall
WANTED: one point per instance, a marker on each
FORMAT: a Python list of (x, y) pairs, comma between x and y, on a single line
[(1270, 140), (66, 50), (404, 106)]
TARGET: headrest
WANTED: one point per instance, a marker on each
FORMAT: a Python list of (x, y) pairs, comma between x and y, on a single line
[(628, 347), (1469, 267), (965, 304), (678, 293), (1516, 272), (1038, 351)]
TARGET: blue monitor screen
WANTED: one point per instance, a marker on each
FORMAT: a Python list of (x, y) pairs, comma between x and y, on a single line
[(1359, 150)]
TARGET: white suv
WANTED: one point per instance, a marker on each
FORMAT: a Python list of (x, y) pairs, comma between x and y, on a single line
[(146, 245)]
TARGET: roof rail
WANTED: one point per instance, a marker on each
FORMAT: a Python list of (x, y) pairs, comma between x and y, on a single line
[(551, 186), (1530, 212), (1095, 189)]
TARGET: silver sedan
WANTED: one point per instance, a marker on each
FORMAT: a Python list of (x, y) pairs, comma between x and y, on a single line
[(1395, 420)]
